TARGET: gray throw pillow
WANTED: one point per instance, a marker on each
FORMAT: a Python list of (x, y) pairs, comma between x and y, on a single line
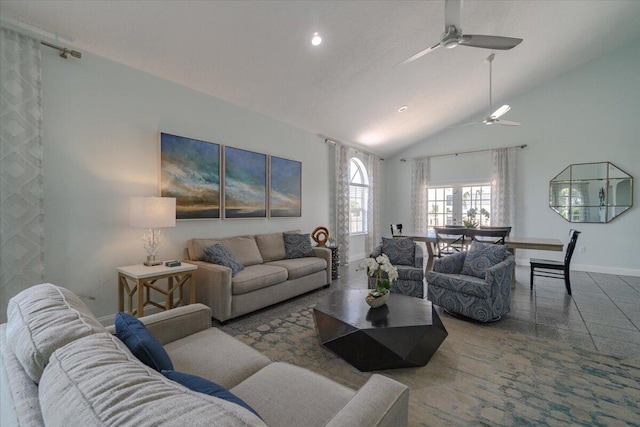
[(218, 254), (297, 246), (400, 251), (481, 257)]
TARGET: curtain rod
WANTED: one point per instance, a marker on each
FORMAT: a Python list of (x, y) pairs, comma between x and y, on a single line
[(462, 152), (357, 150), (63, 50)]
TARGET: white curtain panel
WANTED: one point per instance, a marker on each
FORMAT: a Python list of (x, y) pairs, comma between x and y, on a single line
[(419, 185), (21, 178), (503, 187), (340, 217), (373, 210)]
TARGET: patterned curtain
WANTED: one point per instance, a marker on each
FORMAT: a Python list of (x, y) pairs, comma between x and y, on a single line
[(21, 181), (503, 187), (340, 217), (373, 208), (419, 184)]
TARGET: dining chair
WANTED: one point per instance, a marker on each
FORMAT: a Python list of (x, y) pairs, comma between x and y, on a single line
[(548, 268), (485, 227), (396, 229), (495, 235), (449, 240)]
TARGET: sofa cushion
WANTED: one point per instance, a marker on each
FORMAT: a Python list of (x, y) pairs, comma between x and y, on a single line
[(400, 251), (218, 254), (141, 342), (96, 381), (297, 246), (482, 256), (287, 395), (42, 319), (271, 246), (301, 267), (216, 356), (203, 385), (257, 277), (244, 248)]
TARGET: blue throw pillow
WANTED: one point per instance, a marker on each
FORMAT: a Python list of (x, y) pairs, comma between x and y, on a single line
[(297, 246), (218, 254), (481, 257), (400, 251), (132, 332), (203, 385)]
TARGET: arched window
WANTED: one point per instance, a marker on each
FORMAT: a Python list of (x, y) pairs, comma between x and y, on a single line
[(358, 197)]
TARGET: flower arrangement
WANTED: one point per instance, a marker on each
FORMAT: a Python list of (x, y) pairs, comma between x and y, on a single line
[(375, 268)]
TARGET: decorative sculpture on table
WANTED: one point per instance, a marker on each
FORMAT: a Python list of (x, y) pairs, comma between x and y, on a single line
[(320, 235)]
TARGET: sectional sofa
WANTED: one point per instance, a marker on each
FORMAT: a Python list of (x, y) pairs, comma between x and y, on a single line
[(60, 367), (268, 277)]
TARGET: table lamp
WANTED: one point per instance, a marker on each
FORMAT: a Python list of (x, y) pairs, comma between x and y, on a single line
[(152, 213)]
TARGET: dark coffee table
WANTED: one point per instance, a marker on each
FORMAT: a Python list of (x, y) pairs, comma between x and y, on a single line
[(403, 333)]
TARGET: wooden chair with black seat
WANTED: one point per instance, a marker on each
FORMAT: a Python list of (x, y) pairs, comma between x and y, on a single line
[(396, 229), (450, 240), (484, 235), (549, 268)]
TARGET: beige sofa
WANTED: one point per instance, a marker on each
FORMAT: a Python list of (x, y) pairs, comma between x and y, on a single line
[(267, 278), (60, 367)]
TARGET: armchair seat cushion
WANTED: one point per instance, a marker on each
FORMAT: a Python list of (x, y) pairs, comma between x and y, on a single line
[(460, 283), (257, 277)]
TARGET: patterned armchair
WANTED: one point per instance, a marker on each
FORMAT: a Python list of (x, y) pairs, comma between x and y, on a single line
[(407, 257), (475, 284)]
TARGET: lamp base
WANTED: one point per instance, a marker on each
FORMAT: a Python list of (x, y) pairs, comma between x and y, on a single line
[(151, 261)]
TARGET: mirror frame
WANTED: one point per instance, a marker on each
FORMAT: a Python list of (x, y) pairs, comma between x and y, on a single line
[(565, 194)]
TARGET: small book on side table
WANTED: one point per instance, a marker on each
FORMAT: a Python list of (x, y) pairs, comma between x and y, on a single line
[(172, 263)]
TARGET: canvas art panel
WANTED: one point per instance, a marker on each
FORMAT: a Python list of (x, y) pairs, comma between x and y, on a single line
[(285, 191), (190, 172), (245, 184)]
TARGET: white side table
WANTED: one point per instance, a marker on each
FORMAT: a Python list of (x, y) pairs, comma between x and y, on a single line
[(140, 279)]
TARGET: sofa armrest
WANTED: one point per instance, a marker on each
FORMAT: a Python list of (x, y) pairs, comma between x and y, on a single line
[(381, 401), (213, 288), (418, 256), (171, 325), (325, 254)]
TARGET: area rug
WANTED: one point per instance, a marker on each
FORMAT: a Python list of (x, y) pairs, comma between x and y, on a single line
[(481, 376)]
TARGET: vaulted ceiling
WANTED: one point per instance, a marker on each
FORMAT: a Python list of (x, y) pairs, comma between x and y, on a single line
[(258, 55)]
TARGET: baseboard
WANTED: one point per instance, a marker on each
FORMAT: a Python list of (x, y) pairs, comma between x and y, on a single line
[(620, 271)]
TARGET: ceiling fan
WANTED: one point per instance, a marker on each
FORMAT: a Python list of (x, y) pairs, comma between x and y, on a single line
[(494, 117), (453, 35)]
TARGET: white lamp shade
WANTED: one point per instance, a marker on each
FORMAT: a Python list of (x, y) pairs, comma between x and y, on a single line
[(153, 212)]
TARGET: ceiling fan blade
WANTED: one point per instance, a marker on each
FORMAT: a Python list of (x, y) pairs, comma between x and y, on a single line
[(489, 42), (452, 12), (420, 54), (500, 112), (505, 123)]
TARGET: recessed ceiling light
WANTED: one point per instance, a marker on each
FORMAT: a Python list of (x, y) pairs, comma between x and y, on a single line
[(403, 109), (316, 39)]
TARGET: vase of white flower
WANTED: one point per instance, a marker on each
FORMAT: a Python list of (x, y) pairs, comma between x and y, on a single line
[(384, 273)]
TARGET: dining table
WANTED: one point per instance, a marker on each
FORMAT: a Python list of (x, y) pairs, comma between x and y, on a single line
[(513, 243)]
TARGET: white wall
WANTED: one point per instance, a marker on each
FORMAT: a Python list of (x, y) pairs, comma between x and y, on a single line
[(590, 114), (101, 124)]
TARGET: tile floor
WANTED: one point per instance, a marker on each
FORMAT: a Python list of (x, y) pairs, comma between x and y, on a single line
[(602, 315)]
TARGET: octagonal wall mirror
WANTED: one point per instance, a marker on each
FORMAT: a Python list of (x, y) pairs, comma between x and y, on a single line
[(591, 192)]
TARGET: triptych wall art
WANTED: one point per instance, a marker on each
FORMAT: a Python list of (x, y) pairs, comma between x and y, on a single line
[(211, 181)]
